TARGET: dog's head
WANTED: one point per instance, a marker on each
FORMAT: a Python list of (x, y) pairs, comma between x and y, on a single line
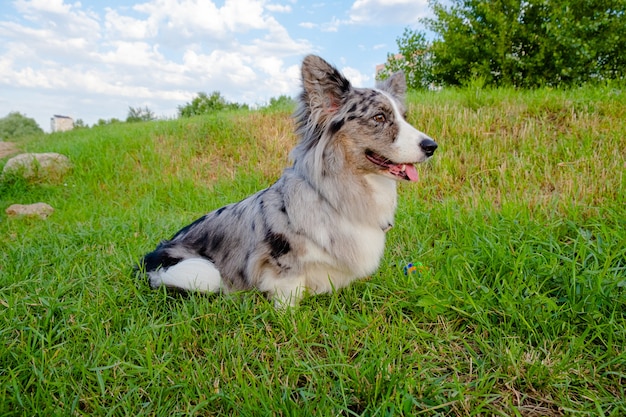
[(361, 129)]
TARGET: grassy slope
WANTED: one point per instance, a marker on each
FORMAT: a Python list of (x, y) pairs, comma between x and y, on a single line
[(520, 220)]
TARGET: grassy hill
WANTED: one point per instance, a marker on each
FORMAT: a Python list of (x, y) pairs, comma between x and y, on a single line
[(519, 221)]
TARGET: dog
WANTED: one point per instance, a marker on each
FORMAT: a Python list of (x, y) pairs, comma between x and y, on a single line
[(323, 223)]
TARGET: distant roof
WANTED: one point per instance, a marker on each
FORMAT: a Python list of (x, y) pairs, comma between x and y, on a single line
[(62, 117)]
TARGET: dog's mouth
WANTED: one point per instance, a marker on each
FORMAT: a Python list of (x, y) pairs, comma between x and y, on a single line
[(406, 172)]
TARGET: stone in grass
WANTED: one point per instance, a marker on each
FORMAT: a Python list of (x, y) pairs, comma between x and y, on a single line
[(37, 165), (42, 210)]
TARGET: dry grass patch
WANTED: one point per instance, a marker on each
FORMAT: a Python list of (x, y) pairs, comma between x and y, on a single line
[(557, 154), (255, 144), (7, 149)]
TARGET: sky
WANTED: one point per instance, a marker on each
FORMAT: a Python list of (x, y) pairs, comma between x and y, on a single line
[(93, 60)]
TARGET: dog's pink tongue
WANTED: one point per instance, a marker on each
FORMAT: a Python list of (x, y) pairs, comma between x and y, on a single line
[(411, 172)]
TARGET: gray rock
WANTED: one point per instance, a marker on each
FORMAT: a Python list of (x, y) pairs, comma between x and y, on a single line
[(42, 210), (37, 165)]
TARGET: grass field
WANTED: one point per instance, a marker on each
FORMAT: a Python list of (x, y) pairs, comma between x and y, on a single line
[(520, 309)]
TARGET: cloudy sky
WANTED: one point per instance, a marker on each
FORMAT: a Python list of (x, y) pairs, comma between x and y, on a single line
[(92, 59)]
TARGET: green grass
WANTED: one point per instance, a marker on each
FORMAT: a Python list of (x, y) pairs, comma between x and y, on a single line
[(519, 220)]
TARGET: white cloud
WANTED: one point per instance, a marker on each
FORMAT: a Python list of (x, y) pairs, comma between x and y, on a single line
[(333, 25), (279, 8), (159, 52), (58, 16), (229, 67), (45, 40), (388, 12), (126, 27), (377, 13), (133, 54), (276, 42), (188, 18), (355, 77)]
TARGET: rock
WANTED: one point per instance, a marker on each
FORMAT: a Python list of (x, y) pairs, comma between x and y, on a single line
[(37, 165), (42, 210)]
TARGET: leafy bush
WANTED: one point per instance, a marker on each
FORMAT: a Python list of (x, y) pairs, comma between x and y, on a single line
[(516, 43), (282, 103), (529, 43), (205, 104), (103, 122), (139, 115), (414, 59), (16, 125)]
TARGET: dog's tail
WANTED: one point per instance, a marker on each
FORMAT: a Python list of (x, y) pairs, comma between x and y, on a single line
[(159, 258), (172, 267)]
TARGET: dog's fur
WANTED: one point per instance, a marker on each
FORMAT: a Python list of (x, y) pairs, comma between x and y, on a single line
[(323, 223)]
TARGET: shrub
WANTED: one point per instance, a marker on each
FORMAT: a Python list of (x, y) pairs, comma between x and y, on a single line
[(16, 125), (205, 104)]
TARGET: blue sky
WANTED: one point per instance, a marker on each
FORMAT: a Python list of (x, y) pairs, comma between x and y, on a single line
[(91, 60)]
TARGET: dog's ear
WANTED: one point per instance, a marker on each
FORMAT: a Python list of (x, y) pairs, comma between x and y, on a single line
[(395, 85), (324, 86)]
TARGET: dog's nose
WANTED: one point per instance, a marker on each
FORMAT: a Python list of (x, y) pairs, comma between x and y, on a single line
[(428, 146)]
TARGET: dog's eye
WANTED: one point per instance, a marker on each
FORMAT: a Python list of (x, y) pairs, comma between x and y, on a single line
[(380, 118)]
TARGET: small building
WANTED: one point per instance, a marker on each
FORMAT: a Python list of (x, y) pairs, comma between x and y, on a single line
[(60, 123)]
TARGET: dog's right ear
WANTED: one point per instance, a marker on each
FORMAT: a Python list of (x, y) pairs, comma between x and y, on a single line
[(395, 84), (324, 87)]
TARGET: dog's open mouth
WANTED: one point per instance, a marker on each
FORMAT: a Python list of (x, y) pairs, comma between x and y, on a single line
[(402, 171)]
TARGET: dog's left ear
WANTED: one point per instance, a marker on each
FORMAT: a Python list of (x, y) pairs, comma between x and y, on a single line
[(324, 87), (395, 84)]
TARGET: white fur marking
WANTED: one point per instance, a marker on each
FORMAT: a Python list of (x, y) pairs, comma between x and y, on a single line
[(408, 139), (385, 196), (286, 291), (193, 274)]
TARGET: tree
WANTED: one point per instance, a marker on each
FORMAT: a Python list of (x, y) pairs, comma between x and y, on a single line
[(414, 59), (281, 103), (587, 39), (102, 122), (16, 125), (528, 43), (139, 115), (204, 104)]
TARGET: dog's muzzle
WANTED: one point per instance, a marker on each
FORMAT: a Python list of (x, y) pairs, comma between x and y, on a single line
[(428, 146)]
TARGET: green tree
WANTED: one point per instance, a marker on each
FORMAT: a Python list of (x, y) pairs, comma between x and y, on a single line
[(205, 104), (16, 125), (281, 103), (528, 43), (103, 122), (414, 59), (585, 39), (139, 114)]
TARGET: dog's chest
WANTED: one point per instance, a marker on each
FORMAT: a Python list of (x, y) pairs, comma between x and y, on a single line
[(349, 247), (369, 245), (352, 251), (383, 196)]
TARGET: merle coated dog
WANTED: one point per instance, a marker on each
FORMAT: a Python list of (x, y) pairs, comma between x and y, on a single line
[(323, 223)]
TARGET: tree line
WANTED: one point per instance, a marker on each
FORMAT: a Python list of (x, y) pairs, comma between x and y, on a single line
[(16, 124), (520, 43)]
